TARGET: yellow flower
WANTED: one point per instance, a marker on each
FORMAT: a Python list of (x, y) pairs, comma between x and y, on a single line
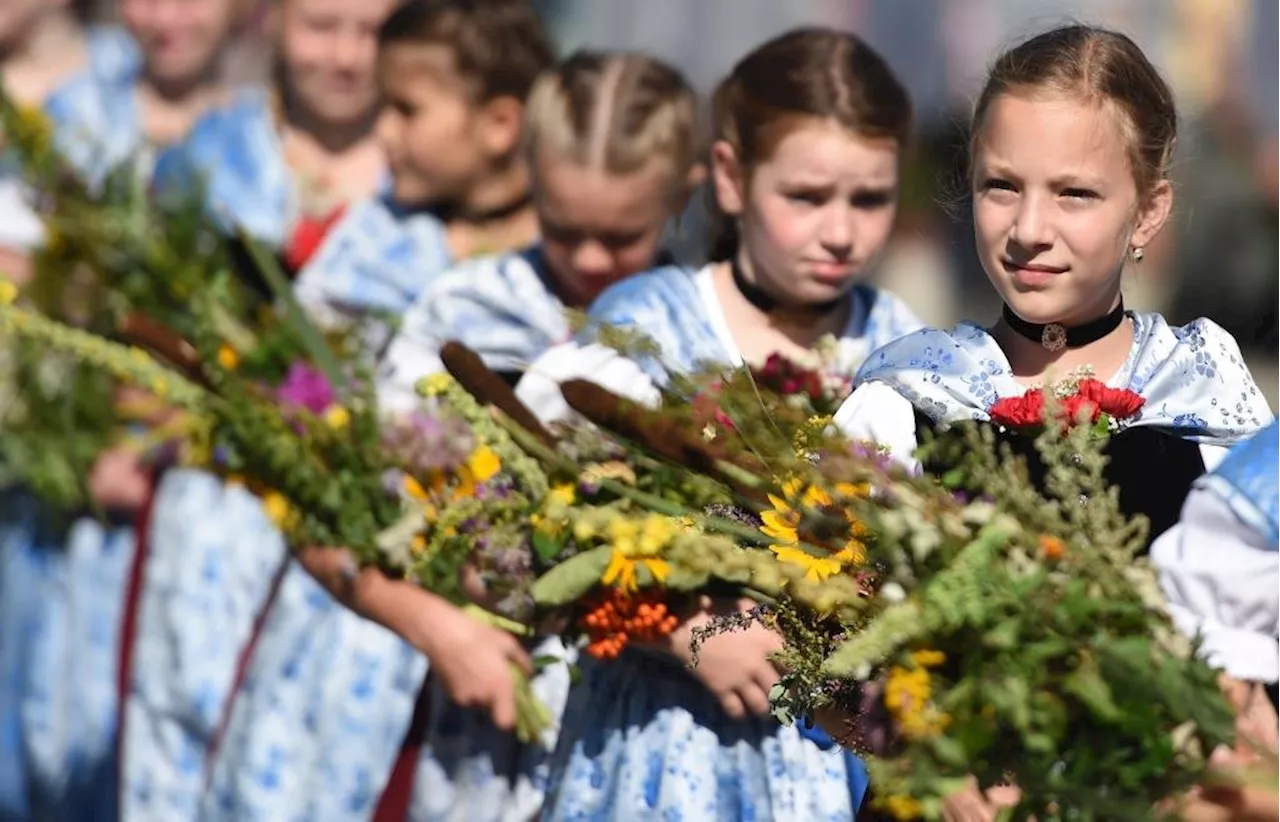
[(228, 358), (8, 292), (483, 464), (160, 387), (563, 494), (583, 531), (337, 417), (419, 543), (928, 658), (278, 509), (783, 522), (633, 546), (907, 696), (781, 525), (902, 807), (816, 568), (656, 532), (435, 385), (414, 489)]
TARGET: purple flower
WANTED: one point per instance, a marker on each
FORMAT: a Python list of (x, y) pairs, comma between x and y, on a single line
[(393, 481), (425, 441), (306, 387)]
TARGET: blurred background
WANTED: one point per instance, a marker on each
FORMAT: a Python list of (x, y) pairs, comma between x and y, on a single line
[(1217, 258)]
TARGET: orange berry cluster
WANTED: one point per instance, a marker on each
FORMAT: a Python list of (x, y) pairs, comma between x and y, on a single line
[(615, 617)]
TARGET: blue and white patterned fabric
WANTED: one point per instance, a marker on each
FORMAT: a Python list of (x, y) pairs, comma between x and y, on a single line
[(677, 309), (502, 307), (112, 53), (1248, 480), (375, 261), (1219, 565), (327, 696), (61, 584), (235, 152), (59, 603), (469, 771), (96, 119), (642, 738), (1193, 379), (212, 556)]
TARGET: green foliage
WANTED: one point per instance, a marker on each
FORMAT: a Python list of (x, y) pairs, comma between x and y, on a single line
[(111, 251)]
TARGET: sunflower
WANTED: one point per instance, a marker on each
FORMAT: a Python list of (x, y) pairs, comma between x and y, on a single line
[(782, 524)]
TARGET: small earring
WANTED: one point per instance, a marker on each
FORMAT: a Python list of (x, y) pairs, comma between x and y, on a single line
[(1137, 255)]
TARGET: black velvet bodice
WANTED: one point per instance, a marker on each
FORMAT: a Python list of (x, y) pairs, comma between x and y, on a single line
[(1153, 469)]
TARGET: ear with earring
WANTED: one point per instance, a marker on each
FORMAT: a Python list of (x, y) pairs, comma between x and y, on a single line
[(1137, 255)]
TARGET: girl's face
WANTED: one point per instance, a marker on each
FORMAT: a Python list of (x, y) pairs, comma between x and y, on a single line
[(597, 227), (180, 39), (1055, 205), (330, 50), (438, 139), (814, 213)]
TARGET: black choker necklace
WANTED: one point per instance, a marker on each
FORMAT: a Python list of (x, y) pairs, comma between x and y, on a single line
[(1055, 336), (449, 213), (767, 303)]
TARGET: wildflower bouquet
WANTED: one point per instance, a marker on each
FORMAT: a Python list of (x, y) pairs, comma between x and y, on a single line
[(619, 520), (111, 256), (1002, 632)]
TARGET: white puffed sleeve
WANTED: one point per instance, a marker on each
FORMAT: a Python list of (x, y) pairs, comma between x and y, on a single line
[(539, 388), (874, 412), (20, 226), (1223, 582)]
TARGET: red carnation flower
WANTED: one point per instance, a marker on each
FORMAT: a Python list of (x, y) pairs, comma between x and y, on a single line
[(1019, 412)]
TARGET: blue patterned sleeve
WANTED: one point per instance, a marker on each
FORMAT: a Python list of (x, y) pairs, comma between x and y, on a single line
[(500, 307), (1202, 375), (665, 306), (95, 123), (113, 53), (374, 261), (234, 153)]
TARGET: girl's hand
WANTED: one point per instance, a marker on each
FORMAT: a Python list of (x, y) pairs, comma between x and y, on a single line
[(119, 481), (473, 662), (1232, 803), (1257, 727), (735, 666), (973, 805)]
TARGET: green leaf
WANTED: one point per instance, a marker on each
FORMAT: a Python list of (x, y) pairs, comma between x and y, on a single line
[(1087, 685), (949, 751), (1003, 636), (546, 547), (317, 348), (572, 579)]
